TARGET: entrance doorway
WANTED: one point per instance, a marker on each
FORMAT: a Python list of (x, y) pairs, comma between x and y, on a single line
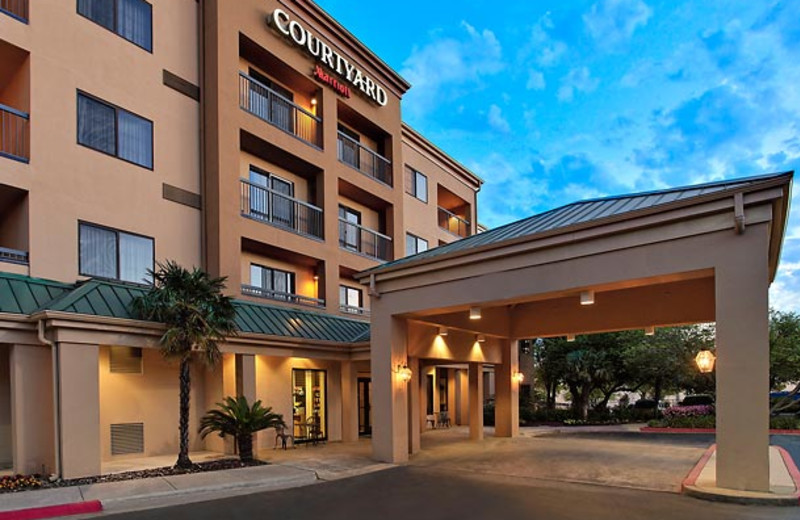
[(364, 406)]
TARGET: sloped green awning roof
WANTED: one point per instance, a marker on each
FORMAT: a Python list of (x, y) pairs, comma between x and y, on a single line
[(26, 295)]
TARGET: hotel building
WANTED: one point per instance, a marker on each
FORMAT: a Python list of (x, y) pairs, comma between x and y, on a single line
[(258, 139)]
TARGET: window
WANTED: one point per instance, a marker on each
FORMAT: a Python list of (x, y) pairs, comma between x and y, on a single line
[(349, 232), (276, 282), (108, 253), (309, 400), (350, 299), (131, 19), (348, 146), (274, 104), (415, 245), (271, 198), (108, 129), (416, 184), (125, 360)]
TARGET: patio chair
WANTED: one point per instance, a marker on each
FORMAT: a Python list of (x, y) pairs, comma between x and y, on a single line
[(443, 421), (282, 435), (430, 419)]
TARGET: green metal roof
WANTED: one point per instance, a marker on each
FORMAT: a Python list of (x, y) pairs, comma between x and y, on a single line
[(23, 295), (26, 295), (581, 212)]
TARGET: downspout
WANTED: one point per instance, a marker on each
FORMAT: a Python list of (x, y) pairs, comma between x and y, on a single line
[(738, 213), (56, 393)]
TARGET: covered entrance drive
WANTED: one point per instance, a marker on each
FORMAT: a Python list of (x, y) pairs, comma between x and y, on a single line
[(687, 255)]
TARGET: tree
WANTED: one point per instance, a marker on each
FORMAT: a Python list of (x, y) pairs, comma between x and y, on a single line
[(237, 418), (197, 317), (784, 353)]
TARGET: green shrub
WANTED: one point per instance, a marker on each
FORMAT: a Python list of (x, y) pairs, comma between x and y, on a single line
[(784, 422)]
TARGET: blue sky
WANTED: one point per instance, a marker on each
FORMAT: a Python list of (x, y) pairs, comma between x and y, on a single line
[(551, 102)]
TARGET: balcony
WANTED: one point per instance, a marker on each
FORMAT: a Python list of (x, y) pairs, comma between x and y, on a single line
[(358, 311), (454, 224), (13, 134), (268, 294), (279, 210), (13, 256), (368, 162), (364, 241), (15, 9), (275, 109)]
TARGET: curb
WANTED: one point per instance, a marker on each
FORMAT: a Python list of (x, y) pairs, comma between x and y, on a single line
[(76, 508), (689, 488), (651, 429)]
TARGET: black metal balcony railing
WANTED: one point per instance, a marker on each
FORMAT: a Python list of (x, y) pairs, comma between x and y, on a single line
[(365, 241), (368, 162), (266, 205), (451, 222), (349, 309), (13, 256), (15, 8), (14, 134), (275, 109), (269, 294)]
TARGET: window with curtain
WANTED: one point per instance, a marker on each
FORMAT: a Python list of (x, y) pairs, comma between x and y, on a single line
[(108, 253), (131, 19), (272, 280), (415, 244), (350, 299), (416, 184), (112, 130)]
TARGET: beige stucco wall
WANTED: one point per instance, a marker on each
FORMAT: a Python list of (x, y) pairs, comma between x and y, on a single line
[(32, 409), (274, 388), (151, 398), (5, 407), (69, 182)]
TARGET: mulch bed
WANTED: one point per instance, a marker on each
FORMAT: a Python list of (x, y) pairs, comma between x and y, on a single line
[(16, 483)]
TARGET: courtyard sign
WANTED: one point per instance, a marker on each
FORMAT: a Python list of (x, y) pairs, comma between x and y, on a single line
[(313, 45)]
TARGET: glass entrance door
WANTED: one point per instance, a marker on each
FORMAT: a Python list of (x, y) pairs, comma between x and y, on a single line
[(364, 406), (310, 394)]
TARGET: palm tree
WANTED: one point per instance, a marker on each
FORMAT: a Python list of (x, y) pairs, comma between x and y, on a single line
[(197, 316), (237, 418)]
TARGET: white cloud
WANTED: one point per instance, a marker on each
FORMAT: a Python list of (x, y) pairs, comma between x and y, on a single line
[(496, 120), (535, 80), (577, 80), (444, 67), (612, 22), (541, 48)]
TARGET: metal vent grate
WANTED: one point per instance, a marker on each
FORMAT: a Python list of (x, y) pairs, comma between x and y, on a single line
[(125, 360), (127, 438)]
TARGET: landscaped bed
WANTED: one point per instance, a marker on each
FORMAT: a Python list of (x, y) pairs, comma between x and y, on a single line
[(16, 483)]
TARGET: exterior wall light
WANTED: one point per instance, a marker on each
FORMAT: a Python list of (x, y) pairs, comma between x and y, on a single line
[(518, 377), (474, 313), (481, 338), (443, 331), (313, 101), (650, 331), (403, 373), (705, 361), (570, 338), (587, 298)]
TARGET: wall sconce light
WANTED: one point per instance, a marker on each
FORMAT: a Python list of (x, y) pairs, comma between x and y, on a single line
[(705, 361), (316, 277), (480, 338), (313, 101), (650, 331), (403, 373), (474, 313), (587, 298), (442, 331), (570, 338), (518, 377)]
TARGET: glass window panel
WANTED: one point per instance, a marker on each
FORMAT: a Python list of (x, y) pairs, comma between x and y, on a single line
[(135, 22), (421, 187), (96, 125), (411, 244), (99, 11), (309, 394), (256, 278), (135, 258), (422, 245), (98, 251), (135, 139)]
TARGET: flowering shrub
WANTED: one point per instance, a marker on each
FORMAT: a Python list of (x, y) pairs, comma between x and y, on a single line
[(678, 412), (12, 483)]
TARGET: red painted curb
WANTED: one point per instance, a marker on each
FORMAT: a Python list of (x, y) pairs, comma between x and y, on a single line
[(793, 471), (77, 508), (691, 478), (650, 429)]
